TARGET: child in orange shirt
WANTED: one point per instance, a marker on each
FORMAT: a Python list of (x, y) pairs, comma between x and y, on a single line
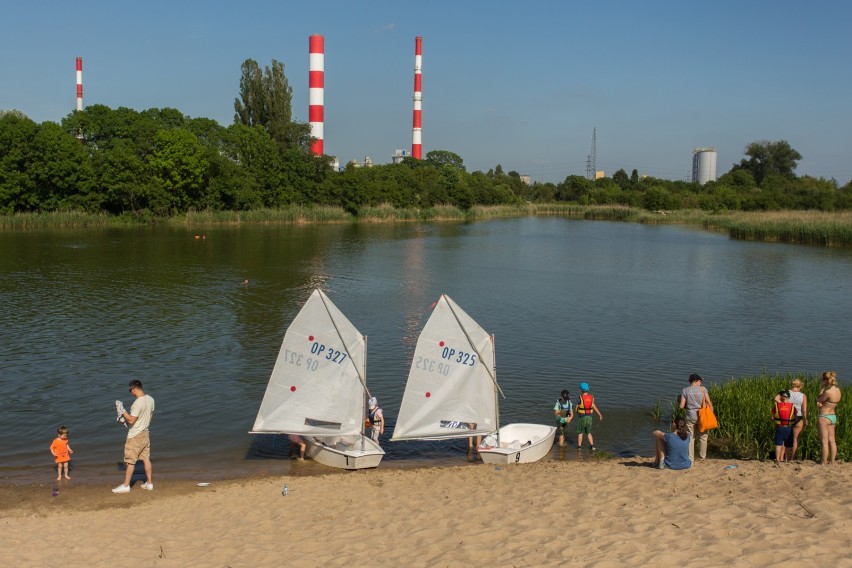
[(61, 452)]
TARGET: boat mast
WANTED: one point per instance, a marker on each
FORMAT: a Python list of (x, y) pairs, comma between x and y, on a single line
[(496, 389), (364, 398)]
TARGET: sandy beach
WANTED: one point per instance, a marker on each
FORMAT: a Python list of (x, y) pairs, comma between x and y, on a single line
[(589, 513)]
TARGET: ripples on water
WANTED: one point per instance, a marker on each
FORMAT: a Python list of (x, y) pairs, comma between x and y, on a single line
[(631, 309)]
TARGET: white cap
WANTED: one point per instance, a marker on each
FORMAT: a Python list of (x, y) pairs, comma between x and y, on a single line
[(373, 402)]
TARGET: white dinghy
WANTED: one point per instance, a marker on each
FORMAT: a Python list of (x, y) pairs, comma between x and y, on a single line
[(452, 391), (318, 388)]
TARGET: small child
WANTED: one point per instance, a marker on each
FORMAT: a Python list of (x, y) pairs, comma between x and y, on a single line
[(61, 452), (564, 411), (585, 407), (784, 415), (377, 419)]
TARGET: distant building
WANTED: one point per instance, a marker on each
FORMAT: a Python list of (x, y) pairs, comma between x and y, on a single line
[(600, 174), (398, 156), (703, 165), (367, 163), (526, 179)]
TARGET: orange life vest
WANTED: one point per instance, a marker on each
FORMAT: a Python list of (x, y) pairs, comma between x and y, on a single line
[(586, 403), (784, 414)]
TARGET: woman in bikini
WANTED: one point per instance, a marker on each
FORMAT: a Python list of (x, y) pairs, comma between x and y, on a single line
[(827, 401)]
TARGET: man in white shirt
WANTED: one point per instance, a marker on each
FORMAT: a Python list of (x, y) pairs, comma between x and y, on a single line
[(138, 444)]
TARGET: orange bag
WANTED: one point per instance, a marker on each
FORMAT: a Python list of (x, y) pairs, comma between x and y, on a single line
[(706, 418)]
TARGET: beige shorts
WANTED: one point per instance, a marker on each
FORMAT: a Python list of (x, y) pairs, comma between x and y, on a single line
[(137, 448)]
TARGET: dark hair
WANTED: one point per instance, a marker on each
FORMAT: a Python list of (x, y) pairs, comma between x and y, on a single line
[(62, 430), (135, 384), (679, 424), (695, 377), (566, 394)]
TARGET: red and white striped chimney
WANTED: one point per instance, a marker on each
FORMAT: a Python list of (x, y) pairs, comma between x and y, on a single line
[(416, 141), (316, 96), (79, 83)]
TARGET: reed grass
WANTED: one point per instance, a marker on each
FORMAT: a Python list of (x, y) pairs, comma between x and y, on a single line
[(801, 227), (294, 214), (63, 219), (804, 227), (746, 429)]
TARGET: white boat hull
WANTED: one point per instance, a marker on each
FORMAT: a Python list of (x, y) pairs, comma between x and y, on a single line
[(520, 443), (344, 453)]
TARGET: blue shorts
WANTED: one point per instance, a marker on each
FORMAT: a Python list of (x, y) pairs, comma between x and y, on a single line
[(784, 436)]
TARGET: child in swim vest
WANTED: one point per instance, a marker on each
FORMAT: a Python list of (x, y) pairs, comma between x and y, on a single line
[(784, 416), (585, 407), (61, 452)]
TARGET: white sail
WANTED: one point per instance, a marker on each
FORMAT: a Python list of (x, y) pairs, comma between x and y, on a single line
[(451, 388), (317, 385)]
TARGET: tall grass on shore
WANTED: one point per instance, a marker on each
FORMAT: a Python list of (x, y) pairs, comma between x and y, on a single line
[(746, 429), (60, 219), (295, 214), (802, 227)]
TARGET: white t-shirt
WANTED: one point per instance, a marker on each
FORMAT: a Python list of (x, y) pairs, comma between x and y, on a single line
[(143, 410), (797, 398)]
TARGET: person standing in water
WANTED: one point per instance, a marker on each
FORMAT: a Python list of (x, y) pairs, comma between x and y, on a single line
[(564, 411), (585, 406), (377, 419)]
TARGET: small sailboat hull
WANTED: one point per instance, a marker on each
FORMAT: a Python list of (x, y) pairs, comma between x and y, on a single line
[(344, 452), (520, 443)]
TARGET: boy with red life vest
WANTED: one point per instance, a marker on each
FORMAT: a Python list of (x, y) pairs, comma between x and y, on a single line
[(585, 407), (784, 416)]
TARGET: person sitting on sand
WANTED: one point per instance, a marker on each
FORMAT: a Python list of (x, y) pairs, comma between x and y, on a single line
[(827, 401), (297, 442), (784, 415), (564, 411), (672, 448)]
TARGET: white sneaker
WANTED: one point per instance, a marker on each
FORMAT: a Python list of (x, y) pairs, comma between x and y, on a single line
[(122, 489), (148, 486)]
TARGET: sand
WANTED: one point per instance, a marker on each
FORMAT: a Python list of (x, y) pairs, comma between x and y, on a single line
[(618, 512)]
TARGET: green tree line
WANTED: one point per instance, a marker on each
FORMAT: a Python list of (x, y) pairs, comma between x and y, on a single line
[(160, 162)]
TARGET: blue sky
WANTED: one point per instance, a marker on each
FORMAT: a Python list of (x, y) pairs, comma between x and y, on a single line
[(521, 84)]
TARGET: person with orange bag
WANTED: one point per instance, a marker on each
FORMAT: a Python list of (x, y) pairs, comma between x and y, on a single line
[(691, 399)]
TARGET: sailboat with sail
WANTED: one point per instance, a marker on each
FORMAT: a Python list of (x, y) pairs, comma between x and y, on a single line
[(452, 391), (318, 388)]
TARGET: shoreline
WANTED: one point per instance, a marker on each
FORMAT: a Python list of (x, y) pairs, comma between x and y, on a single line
[(628, 513), (806, 227), (198, 469)]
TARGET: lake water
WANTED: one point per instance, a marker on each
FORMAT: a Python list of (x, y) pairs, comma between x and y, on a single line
[(631, 309)]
